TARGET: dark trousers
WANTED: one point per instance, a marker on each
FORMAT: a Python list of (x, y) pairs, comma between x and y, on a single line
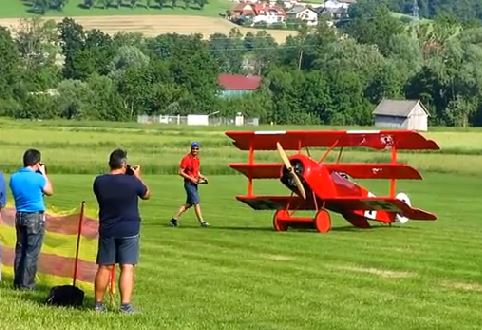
[(30, 233)]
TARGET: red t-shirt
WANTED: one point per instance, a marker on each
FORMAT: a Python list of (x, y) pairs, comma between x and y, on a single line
[(190, 164)]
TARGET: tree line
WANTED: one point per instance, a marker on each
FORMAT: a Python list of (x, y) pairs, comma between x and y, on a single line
[(330, 75), (465, 10), (42, 6)]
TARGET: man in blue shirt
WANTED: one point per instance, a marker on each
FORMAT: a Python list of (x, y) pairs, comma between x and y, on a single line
[(117, 194), (28, 186)]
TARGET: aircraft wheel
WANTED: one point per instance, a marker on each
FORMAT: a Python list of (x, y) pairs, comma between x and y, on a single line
[(323, 221), (279, 225)]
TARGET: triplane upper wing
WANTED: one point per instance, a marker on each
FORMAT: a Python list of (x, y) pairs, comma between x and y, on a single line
[(329, 186), (295, 140)]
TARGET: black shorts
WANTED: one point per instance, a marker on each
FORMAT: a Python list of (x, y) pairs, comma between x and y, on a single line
[(124, 251)]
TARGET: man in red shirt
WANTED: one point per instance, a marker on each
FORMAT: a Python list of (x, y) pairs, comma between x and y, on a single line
[(189, 169)]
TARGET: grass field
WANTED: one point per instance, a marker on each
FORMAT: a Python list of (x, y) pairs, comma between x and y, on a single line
[(151, 23), (17, 8), (158, 148), (239, 274)]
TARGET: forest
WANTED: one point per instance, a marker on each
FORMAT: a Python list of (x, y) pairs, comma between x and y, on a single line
[(329, 75)]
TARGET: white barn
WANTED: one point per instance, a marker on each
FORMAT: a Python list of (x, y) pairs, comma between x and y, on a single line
[(408, 114)]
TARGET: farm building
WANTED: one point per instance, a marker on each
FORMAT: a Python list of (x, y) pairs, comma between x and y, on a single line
[(409, 114), (237, 84)]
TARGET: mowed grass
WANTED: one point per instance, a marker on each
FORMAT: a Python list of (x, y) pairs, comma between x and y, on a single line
[(17, 8), (240, 274), (84, 147)]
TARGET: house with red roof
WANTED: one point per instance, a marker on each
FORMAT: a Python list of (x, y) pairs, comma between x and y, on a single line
[(258, 12), (238, 84)]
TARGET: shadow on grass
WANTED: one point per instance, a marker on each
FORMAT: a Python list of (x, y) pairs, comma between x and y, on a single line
[(40, 294), (214, 227), (210, 228), (350, 228)]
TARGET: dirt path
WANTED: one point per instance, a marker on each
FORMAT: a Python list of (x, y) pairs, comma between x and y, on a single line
[(152, 25)]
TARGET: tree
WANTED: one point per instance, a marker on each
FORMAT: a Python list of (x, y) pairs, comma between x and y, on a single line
[(201, 3), (125, 58), (227, 51), (37, 44), (40, 6), (89, 3), (10, 73), (72, 41), (372, 23), (73, 99), (105, 102), (161, 3), (261, 51)]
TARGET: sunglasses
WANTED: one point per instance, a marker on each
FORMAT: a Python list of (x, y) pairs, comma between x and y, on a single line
[(194, 148)]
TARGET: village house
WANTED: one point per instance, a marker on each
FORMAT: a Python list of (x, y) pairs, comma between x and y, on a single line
[(335, 8), (303, 13), (258, 13)]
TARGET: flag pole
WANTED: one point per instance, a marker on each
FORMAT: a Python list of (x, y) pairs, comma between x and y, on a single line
[(79, 230)]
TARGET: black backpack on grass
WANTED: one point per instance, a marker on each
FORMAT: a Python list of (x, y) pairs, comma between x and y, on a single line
[(69, 295), (65, 295)]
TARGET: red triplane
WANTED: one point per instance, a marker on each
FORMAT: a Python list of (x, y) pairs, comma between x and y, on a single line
[(319, 186)]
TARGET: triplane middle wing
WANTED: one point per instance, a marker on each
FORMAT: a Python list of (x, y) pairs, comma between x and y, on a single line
[(319, 186)]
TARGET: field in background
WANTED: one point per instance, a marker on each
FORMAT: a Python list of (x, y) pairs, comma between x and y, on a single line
[(239, 274), (157, 148), (154, 25), (15, 8), (151, 23)]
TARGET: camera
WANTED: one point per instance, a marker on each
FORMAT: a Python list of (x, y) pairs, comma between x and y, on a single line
[(130, 169), (45, 168)]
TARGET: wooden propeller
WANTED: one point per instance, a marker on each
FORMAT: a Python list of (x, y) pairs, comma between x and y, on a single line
[(291, 171)]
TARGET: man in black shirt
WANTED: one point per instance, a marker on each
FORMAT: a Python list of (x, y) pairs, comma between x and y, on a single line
[(117, 195)]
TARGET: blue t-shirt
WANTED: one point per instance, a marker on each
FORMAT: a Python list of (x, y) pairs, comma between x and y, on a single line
[(3, 191), (118, 211), (27, 189)]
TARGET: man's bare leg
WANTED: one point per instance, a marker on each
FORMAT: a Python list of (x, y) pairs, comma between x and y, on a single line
[(126, 283), (102, 278), (182, 209), (199, 216)]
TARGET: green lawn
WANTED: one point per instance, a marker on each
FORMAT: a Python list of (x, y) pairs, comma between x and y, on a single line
[(17, 8), (239, 274)]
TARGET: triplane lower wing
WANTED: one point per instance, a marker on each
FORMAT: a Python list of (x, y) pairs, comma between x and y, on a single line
[(322, 187)]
